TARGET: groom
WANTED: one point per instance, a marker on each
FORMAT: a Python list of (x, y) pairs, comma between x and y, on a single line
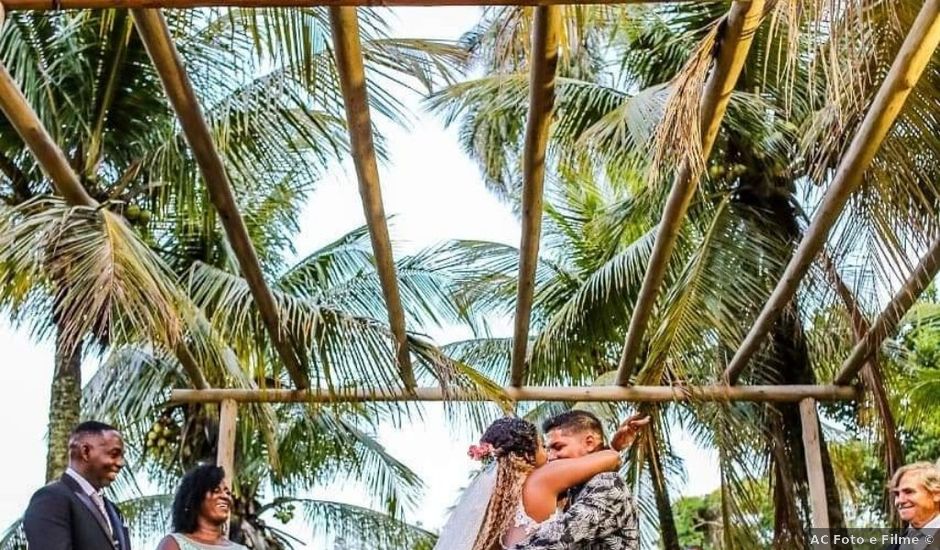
[(599, 515)]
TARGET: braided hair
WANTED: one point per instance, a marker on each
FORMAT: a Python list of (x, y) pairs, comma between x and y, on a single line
[(515, 442)]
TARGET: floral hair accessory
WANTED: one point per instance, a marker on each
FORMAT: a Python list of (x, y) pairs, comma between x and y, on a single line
[(481, 452)]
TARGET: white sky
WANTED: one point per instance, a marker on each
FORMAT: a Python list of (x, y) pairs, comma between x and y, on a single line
[(436, 194)]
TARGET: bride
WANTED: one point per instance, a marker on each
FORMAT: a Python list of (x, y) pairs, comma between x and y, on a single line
[(518, 489)]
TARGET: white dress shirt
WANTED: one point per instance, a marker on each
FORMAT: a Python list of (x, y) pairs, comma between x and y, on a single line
[(924, 534), (93, 494), (933, 524)]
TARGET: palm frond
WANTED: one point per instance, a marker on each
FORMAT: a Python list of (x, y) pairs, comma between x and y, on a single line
[(678, 138), (356, 525), (147, 515), (325, 447), (101, 278)]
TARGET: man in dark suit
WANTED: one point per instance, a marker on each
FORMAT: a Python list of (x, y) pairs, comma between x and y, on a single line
[(916, 489), (71, 513)]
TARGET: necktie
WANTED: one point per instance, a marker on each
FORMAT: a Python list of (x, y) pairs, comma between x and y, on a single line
[(99, 502)]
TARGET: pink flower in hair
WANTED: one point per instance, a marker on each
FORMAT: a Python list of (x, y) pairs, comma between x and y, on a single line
[(480, 452)]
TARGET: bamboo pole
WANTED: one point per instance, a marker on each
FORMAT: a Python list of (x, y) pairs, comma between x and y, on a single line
[(637, 394), (48, 5), (819, 507), (544, 60), (225, 453), (190, 366), (348, 49), (743, 20), (53, 163), (887, 321), (153, 31), (906, 70), (871, 374)]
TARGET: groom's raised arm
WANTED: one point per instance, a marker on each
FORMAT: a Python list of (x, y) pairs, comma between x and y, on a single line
[(602, 512)]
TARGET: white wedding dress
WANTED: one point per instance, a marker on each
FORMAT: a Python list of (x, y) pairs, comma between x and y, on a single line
[(463, 526), (522, 527)]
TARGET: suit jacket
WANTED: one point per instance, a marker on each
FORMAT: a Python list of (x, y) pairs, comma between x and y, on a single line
[(934, 543), (61, 516)]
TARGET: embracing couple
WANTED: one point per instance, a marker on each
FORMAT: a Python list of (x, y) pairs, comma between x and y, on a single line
[(563, 493)]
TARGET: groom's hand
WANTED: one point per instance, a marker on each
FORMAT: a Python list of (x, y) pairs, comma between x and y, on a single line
[(627, 432)]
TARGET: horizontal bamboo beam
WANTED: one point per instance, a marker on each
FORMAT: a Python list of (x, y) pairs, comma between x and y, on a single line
[(906, 70), (52, 5), (348, 49), (743, 20), (637, 394), (887, 321), (544, 60), (153, 31)]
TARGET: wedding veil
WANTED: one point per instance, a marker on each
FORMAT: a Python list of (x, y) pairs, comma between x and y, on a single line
[(463, 526)]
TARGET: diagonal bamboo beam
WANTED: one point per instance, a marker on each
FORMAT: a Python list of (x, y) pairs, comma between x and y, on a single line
[(871, 376), (634, 394), (544, 60), (743, 20), (887, 321), (153, 31), (910, 62), (54, 164), (190, 366), (44, 5), (348, 48)]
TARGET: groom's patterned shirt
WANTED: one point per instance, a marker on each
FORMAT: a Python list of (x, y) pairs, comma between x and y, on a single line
[(600, 516)]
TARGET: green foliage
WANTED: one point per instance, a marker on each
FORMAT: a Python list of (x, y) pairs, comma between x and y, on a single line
[(700, 525), (698, 521), (790, 117), (122, 273), (333, 303)]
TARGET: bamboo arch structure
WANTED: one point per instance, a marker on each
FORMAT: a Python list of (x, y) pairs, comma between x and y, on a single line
[(743, 18)]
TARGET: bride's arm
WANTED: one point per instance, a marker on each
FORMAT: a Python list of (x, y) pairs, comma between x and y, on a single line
[(544, 485), (558, 476)]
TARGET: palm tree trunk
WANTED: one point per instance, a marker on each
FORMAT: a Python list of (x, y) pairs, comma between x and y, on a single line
[(792, 359), (247, 528), (788, 528), (789, 363), (667, 523), (833, 499), (65, 404)]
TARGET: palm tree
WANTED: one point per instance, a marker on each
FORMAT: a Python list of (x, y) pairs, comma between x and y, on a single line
[(268, 85), (332, 301), (622, 93), (595, 247)]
